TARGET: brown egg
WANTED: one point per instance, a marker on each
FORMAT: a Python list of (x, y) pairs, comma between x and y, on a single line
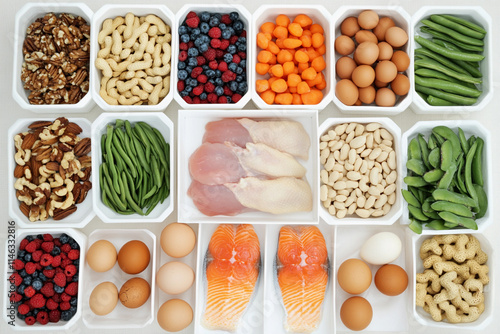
[(385, 71), (175, 277), (177, 240), (391, 280), (384, 51), (347, 92), (354, 276), (367, 94), (344, 45), (366, 53), (363, 76), (401, 84), (380, 84), (101, 256), (103, 298), (356, 313), (344, 67), (135, 292), (358, 103), (401, 60), (174, 315), (383, 24), (385, 97), (368, 19), (396, 37), (365, 36), (349, 26), (133, 257)]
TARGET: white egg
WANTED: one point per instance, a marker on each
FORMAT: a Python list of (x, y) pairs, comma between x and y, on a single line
[(381, 248)]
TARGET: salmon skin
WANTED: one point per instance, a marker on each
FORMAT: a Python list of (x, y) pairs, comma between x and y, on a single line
[(232, 271), (302, 269)]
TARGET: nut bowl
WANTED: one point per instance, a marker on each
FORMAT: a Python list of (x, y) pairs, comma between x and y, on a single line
[(84, 212), (24, 17)]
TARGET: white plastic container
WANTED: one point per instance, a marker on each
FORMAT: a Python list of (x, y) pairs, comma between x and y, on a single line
[(112, 11), (121, 316), (397, 207), (402, 20), (389, 312), (319, 15), (165, 126), (477, 15), (470, 127), (425, 318), (84, 213), (190, 295), (24, 17), (274, 311), (252, 321), (226, 8), (192, 125), (19, 324)]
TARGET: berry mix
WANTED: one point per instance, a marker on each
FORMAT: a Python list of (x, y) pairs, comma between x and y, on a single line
[(46, 279), (212, 58)]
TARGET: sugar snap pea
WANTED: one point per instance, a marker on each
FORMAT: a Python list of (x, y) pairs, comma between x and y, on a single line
[(468, 174), (417, 213), (434, 156), (448, 134), (433, 175), (482, 201), (463, 140), (415, 181), (416, 166), (450, 196), (424, 150), (455, 219), (415, 226), (437, 224), (414, 151), (447, 156), (458, 209), (477, 172), (448, 176), (410, 198)]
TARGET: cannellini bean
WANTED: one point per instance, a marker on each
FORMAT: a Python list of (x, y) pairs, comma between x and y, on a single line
[(339, 185), (352, 208), (386, 208), (339, 167), (390, 189), (337, 145), (369, 140), (386, 143), (374, 175), (357, 164), (377, 213), (363, 213), (344, 192), (325, 137), (332, 134), (352, 156), (386, 134), (370, 202), (354, 176), (350, 127), (380, 202), (330, 163), (348, 166), (391, 178), (331, 192), (341, 213), (358, 142), (324, 155), (366, 153), (391, 160), (364, 167), (340, 198), (376, 136), (344, 151), (323, 192), (372, 127), (351, 184), (340, 129), (382, 157), (339, 205), (375, 153), (350, 200), (332, 210), (374, 191), (385, 167), (324, 176), (360, 201), (360, 149), (391, 199), (323, 145), (327, 203), (360, 129)]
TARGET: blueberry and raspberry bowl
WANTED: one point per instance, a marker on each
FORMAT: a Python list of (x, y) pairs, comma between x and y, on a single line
[(212, 57), (43, 279)]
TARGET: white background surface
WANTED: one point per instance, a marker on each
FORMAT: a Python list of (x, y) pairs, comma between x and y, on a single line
[(10, 111)]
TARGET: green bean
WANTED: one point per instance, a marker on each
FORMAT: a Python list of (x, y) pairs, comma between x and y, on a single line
[(118, 147), (471, 140), (440, 19), (446, 195), (443, 60), (109, 156), (447, 156), (436, 224), (454, 219), (464, 47), (477, 172), (469, 67), (131, 187), (434, 65), (458, 209), (464, 22), (447, 86), (141, 155), (453, 33), (482, 201), (428, 73), (457, 99), (415, 181), (108, 187), (436, 101), (447, 53), (415, 226), (103, 143), (130, 200), (416, 166)]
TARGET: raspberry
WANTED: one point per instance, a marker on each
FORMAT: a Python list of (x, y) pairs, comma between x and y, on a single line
[(222, 99), (202, 78), (47, 246), (15, 279), (201, 60), (23, 244), (228, 91), (30, 320), (209, 87), (198, 90), (39, 242), (236, 59), (193, 22), (242, 54), (222, 66), (196, 71), (191, 14), (214, 32), (183, 55), (47, 237), (224, 44), (213, 64), (23, 309), (187, 99), (233, 39), (18, 264), (46, 260), (14, 297), (219, 53), (215, 43), (209, 54), (57, 242), (37, 301), (56, 261), (225, 19), (212, 98), (74, 254), (64, 306), (57, 298), (31, 247), (72, 289), (48, 289), (60, 279), (64, 256), (54, 316), (196, 100), (51, 304), (66, 248), (228, 76), (29, 292), (243, 33), (190, 44), (236, 97), (59, 270), (38, 266), (42, 317), (30, 268), (183, 46), (49, 273)]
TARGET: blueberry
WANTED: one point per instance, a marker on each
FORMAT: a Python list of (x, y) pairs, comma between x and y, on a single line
[(42, 277), (226, 34), (238, 26), (218, 73), (239, 70), (39, 236), (222, 26), (205, 38), (231, 49), (192, 61), (76, 262), (35, 274), (30, 238), (183, 93), (234, 16), (35, 312), (214, 21), (75, 278), (73, 301), (37, 284), (205, 16), (20, 289), (233, 85), (58, 289), (185, 38), (181, 65), (240, 78), (64, 238), (229, 100), (23, 273), (192, 82), (21, 254), (203, 96), (48, 267), (67, 315), (193, 52), (205, 67), (242, 40), (219, 90), (243, 63), (27, 280), (182, 74), (74, 244), (242, 87), (188, 89), (27, 257), (232, 67), (55, 251), (228, 58), (21, 316), (219, 82), (183, 30), (210, 73), (242, 47), (195, 31), (198, 41), (72, 308), (204, 28), (203, 47)]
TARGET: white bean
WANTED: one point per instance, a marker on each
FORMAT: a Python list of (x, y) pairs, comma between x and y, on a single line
[(341, 213), (390, 189), (324, 176), (374, 175), (372, 127), (323, 193), (381, 201), (363, 213), (352, 208), (386, 134), (391, 161), (391, 199), (340, 129), (358, 142)]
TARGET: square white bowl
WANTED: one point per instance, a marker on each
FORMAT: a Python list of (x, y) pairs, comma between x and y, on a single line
[(24, 17), (246, 18), (477, 15), (425, 318), (402, 20), (12, 249), (121, 316), (156, 119), (319, 15), (397, 207), (84, 213), (111, 11), (192, 124), (470, 127)]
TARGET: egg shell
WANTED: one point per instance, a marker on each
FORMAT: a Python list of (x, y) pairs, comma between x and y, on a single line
[(344, 45), (354, 276), (385, 51), (174, 315), (356, 313), (349, 26), (396, 37), (175, 277), (103, 298), (177, 240), (391, 280), (135, 292), (368, 19), (101, 256), (363, 76), (365, 36), (401, 60), (366, 53), (344, 67), (347, 92), (367, 94), (385, 71), (383, 24), (401, 84), (381, 248), (134, 257)]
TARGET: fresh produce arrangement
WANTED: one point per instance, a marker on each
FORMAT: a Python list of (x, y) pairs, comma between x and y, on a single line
[(375, 73), (291, 61), (452, 284), (134, 174), (445, 180), (448, 61)]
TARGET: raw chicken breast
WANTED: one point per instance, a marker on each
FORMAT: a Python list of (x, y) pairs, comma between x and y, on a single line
[(214, 200), (227, 129)]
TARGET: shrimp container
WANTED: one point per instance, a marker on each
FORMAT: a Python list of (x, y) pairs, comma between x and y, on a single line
[(120, 316), (157, 120), (275, 316), (224, 8), (84, 213), (477, 15), (319, 15), (352, 219), (470, 128), (188, 296), (403, 20), (425, 318), (111, 11), (252, 318), (8, 314), (192, 123), (390, 313), (24, 17)]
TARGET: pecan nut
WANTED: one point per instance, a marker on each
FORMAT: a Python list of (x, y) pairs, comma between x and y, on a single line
[(61, 214), (73, 128), (39, 124), (83, 147), (25, 209), (28, 141)]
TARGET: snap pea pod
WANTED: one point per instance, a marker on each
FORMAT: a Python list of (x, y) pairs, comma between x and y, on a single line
[(433, 175), (434, 156), (410, 198), (468, 174), (431, 143), (415, 226), (437, 224), (441, 19), (463, 140), (424, 150), (447, 86), (416, 166), (458, 220), (415, 181), (458, 209), (482, 201), (477, 172), (448, 176), (447, 156), (447, 53), (414, 151), (448, 134), (417, 213), (450, 196), (459, 177)]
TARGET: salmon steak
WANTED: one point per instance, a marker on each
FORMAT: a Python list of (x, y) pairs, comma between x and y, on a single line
[(302, 270), (232, 272)]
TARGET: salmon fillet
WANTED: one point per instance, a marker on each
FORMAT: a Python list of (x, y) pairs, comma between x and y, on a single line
[(302, 276), (232, 273)]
